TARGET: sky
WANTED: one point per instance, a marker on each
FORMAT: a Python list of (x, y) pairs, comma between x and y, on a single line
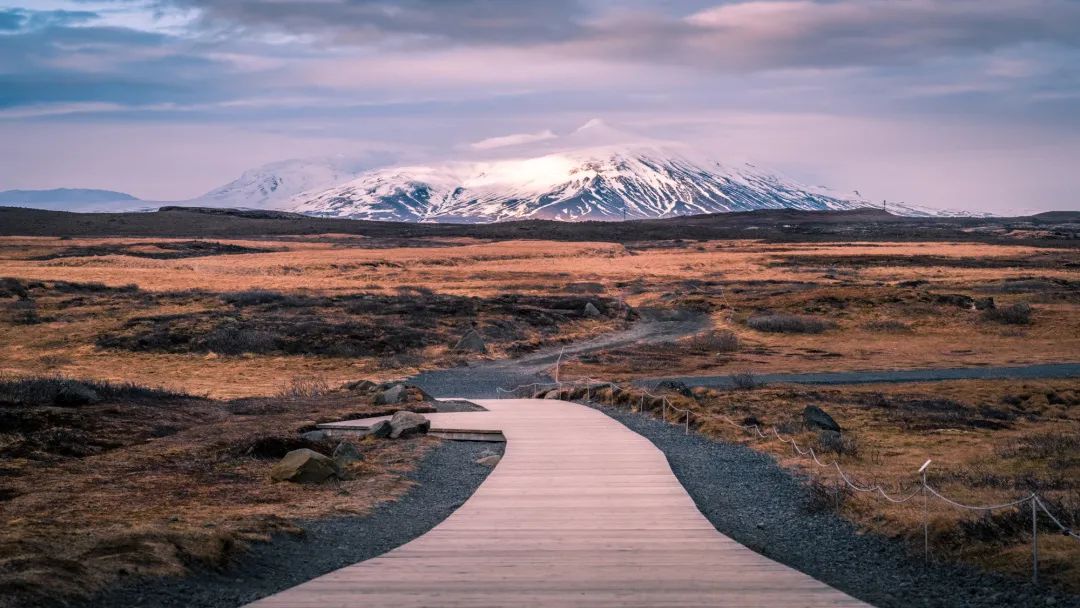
[(962, 104)]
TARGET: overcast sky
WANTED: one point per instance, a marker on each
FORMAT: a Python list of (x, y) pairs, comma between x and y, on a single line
[(971, 104)]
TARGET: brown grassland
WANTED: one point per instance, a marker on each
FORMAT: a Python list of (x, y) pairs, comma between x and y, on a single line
[(234, 322)]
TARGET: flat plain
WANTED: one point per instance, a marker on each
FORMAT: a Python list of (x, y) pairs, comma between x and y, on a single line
[(245, 341)]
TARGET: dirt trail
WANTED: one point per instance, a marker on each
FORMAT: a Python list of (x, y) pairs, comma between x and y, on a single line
[(482, 379)]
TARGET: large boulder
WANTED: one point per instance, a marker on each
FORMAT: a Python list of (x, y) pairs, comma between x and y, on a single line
[(381, 429), (345, 454), (591, 310), (392, 395), (304, 466), (816, 418), (406, 424), (471, 342)]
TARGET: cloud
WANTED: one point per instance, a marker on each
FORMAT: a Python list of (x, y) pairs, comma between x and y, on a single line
[(362, 21), (512, 140), (786, 34)]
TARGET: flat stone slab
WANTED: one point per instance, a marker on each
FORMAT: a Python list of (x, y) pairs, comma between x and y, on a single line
[(581, 511)]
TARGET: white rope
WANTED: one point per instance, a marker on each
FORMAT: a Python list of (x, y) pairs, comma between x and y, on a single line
[(1064, 529), (875, 489)]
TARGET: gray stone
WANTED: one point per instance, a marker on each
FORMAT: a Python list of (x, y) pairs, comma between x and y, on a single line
[(552, 394), (816, 418), (380, 429), (363, 386), (985, 304), (471, 342), (304, 466), (346, 453), (489, 461), (315, 435), (392, 395), (407, 424), (591, 310)]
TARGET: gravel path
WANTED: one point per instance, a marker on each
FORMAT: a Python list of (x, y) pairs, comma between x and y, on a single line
[(748, 497), (446, 478), (479, 380)]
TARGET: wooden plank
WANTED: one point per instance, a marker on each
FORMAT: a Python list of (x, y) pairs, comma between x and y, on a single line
[(580, 511)]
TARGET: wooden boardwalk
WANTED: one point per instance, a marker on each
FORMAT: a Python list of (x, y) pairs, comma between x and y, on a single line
[(580, 512)]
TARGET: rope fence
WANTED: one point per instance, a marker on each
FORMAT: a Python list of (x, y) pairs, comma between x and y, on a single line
[(925, 490)]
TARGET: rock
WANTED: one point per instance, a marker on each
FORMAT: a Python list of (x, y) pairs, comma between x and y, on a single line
[(363, 386), (471, 342), (816, 418), (985, 304), (73, 393), (489, 461), (304, 466), (346, 453), (591, 310), (406, 424), (675, 386), (553, 394), (392, 395), (315, 435), (381, 429)]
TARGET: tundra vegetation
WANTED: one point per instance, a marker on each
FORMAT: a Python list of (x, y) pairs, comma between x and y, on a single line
[(248, 342)]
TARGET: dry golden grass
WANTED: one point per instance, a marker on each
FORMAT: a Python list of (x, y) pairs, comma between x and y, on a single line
[(643, 274), (171, 485), (731, 280), (991, 441)]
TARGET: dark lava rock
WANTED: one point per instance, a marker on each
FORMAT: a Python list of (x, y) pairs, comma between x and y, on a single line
[(814, 417)]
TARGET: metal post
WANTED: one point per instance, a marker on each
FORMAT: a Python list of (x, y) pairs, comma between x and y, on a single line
[(641, 404), (1034, 540), (687, 427), (925, 511)]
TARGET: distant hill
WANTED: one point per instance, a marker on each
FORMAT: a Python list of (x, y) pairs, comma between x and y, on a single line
[(74, 196)]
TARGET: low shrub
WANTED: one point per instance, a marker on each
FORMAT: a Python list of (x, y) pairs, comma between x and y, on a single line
[(65, 392), (822, 497), (746, 381), (1016, 314), (304, 388), (832, 442), (789, 324), (715, 342), (891, 326), (25, 312)]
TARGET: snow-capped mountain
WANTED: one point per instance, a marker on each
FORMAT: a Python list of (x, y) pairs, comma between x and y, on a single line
[(595, 173), (274, 185), (71, 199)]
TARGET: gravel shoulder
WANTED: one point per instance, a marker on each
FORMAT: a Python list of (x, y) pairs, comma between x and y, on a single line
[(750, 498), (446, 478)]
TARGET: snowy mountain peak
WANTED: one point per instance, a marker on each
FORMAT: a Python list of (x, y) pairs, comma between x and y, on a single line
[(598, 182), (275, 184)]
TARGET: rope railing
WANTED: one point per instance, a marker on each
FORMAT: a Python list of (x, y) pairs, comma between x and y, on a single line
[(924, 489)]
